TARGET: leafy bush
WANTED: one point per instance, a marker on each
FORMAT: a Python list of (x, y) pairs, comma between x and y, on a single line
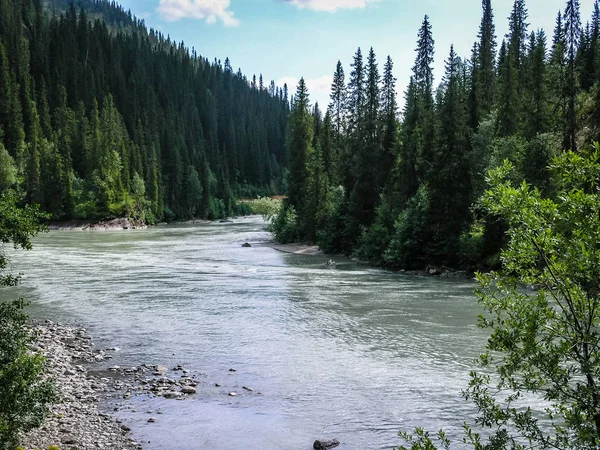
[(472, 245), (266, 206), (285, 225), (376, 239), (544, 345), (24, 393), (407, 245)]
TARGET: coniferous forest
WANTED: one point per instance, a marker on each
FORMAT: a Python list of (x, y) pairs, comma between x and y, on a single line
[(101, 117), (404, 193)]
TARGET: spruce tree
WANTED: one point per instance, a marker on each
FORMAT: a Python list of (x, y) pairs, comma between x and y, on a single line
[(389, 123), (572, 24), (423, 79), (338, 99), (300, 151), (450, 189), (485, 62)]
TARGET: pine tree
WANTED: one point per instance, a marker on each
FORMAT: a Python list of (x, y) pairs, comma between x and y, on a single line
[(572, 26), (537, 120), (338, 99), (300, 151), (423, 80), (485, 62), (367, 148), (450, 189), (389, 119)]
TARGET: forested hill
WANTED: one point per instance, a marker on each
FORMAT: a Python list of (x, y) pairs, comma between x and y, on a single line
[(100, 116), (407, 195)]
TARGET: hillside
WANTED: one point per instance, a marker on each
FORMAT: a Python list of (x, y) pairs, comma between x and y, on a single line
[(102, 117)]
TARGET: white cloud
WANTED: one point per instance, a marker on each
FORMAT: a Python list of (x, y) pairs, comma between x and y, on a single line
[(329, 5), (209, 10), (318, 88)]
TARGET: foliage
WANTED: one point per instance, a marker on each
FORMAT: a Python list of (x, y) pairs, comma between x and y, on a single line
[(267, 207), (544, 345), (86, 113), (285, 225), (25, 394), (408, 239)]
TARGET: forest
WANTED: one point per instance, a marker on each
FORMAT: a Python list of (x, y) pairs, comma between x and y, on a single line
[(405, 193), (101, 117)]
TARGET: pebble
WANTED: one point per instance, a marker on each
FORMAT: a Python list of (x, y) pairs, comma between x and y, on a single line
[(76, 422)]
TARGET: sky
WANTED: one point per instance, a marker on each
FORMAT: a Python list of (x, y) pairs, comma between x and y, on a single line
[(288, 39)]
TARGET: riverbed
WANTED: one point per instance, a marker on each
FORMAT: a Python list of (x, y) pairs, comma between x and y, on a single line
[(330, 351)]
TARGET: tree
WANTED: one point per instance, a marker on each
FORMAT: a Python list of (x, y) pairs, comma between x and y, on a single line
[(338, 99), (300, 150), (24, 394), (485, 63), (572, 26), (389, 122), (544, 343), (450, 188), (423, 79)]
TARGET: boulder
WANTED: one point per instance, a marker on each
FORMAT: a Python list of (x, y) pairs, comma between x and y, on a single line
[(188, 390), (325, 445), (246, 245)]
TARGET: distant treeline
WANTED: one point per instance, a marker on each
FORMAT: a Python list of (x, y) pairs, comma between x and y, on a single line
[(404, 193), (101, 117)]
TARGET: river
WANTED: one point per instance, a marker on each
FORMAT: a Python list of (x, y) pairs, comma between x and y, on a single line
[(347, 352)]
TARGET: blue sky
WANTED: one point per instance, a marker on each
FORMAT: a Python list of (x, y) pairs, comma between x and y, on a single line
[(287, 39)]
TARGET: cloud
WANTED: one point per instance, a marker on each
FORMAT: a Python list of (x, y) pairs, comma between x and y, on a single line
[(329, 5), (318, 88), (209, 10)]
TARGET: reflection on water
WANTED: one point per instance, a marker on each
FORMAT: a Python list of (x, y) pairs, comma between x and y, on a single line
[(349, 352)]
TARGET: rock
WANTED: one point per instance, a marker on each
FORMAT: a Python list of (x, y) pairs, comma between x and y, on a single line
[(152, 420), (69, 441), (325, 445), (172, 394), (188, 390), (232, 394), (330, 263), (248, 389), (232, 370), (125, 428), (225, 221), (246, 245)]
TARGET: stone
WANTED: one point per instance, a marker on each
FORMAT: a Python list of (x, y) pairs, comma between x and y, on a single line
[(325, 445), (188, 390), (248, 389), (246, 245), (232, 394), (152, 420)]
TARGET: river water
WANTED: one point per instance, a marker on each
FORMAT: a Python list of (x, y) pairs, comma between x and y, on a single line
[(347, 352)]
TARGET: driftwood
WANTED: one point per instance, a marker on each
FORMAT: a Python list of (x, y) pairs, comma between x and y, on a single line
[(325, 445)]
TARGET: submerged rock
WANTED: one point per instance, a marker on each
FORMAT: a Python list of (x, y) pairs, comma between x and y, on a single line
[(325, 445), (246, 245)]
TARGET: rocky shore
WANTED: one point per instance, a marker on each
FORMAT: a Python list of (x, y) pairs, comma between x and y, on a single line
[(76, 422), (86, 384), (121, 223)]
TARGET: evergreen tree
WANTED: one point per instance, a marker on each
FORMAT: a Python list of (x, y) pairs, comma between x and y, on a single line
[(423, 79), (338, 99), (300, 151), (484, 61), (572, 26), (389, 121), (450, 190)]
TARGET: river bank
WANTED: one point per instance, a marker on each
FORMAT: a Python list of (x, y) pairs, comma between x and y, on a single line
[(120, 223), (76, 422)]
